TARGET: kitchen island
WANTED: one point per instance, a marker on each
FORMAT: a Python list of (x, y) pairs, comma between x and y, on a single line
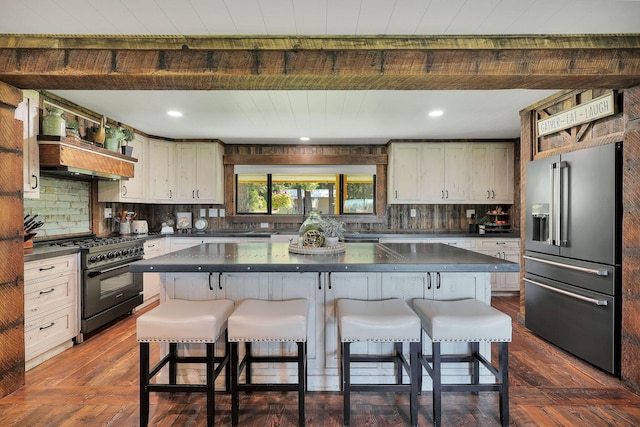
[(364, 271)]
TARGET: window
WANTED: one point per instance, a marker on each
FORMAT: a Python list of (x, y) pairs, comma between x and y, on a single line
[(301, 191)]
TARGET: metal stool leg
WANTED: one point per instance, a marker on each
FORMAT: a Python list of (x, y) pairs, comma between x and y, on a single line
[(144, 381), (437, 384), (302, 383), (416, 367), (346, 381), (235, 404), (503, 363)]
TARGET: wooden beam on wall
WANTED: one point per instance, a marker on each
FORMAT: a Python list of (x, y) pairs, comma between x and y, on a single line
[(320, 63)]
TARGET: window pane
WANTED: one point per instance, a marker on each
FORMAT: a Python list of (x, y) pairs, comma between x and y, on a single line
[(302, 193), (251, 193), (359, 194)]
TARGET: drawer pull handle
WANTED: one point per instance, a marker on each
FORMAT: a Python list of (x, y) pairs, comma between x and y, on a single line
[(47, 268), (119, 296), (48, 326), (47, 292)]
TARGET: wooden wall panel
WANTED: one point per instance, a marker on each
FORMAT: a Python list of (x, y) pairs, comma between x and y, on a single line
[(12, 266)]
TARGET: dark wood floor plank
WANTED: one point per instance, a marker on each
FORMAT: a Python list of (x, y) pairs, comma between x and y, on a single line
[(96, 384)]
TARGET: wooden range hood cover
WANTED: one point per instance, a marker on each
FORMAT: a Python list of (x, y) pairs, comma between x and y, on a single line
[(81, 160)]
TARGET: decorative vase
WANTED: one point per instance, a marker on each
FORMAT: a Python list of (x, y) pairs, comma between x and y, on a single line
[(331, 241), (112, 144), (53, 123), (310, 233), (99, 135)]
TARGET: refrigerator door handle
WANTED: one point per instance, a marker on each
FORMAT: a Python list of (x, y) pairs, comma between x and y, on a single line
[(554, 226), (569, 294), (571, 267)]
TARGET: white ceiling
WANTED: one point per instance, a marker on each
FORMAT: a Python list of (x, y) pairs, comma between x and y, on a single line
[(341, 117)]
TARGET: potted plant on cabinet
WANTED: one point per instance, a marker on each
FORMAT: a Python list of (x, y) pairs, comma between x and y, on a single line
[(112, 139), (127, 136)]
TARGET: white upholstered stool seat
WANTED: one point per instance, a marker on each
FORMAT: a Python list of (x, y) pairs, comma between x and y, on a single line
[(275, 321), (185, 321), (468, 320), (176, 322), (392, 321), (471, 321), (268, 321)]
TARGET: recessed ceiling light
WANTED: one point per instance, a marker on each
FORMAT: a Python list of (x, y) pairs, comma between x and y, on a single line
[(436, 113), (173, 113), (304, 138)]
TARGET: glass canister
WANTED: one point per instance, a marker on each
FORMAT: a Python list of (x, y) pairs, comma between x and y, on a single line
[(310, 233), (53, 123)]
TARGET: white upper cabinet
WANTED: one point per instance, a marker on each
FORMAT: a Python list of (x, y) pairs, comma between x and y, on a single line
[(131, 190), (492, 172), (28, 112), (199, 173), (428, 173), (161, 172)]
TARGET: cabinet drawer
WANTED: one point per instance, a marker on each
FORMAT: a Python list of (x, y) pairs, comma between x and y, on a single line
[(498, 244), (49, 268), (458, 243), (154, 248), (47, 331), (40, 297)]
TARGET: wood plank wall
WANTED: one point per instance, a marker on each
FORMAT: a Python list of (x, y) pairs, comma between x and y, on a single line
[(623, 126), (12, 372)]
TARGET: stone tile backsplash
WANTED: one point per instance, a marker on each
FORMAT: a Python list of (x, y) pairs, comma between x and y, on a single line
[(64, 204)]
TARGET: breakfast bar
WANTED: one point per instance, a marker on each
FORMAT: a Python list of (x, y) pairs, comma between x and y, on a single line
[(368, 271)]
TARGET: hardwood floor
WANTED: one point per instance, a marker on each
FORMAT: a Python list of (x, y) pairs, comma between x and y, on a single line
[(96, 384)]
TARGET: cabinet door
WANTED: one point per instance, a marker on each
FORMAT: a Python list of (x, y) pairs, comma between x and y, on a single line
[(456, 173), (432, 178), (503, 173), (210, 179), (186, 172), (361, 286), (161, 172), (308, 286), (27, 111), (481, 173), (405, 174)]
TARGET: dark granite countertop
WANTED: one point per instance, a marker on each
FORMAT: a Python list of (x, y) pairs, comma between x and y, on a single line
[(358, 257), (42, 252)]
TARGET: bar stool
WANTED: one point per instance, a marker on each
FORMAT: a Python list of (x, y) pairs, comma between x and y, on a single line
[(390, 321), (268, 321), (471, 321), (176, 322)]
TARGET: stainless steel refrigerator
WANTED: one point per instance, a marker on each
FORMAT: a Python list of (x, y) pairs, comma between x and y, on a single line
[(573, 251)]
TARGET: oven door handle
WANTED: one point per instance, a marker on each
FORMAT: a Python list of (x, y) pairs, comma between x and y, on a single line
[(567, 293), (97, 273)]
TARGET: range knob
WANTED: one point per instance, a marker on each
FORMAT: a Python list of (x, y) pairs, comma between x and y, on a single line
[(111, 255), (93, 258)]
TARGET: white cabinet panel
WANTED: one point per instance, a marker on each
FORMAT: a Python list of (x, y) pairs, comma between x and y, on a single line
[(51, 307), (161, 172), (492, 172), (28, 112)]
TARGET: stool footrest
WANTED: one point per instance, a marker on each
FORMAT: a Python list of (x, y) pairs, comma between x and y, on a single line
[(381, 387), (268, 387), (470, 387), (174, 388)]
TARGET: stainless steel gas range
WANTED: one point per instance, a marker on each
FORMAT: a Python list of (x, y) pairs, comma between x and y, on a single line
[(108, 289)]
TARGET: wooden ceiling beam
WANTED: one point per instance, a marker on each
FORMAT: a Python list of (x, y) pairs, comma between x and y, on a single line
[(234, 63)]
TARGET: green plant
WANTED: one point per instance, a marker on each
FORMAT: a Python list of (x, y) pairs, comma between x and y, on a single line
[(113, 133), (128, 134), (332, 228), (281, 200), (73, 124)]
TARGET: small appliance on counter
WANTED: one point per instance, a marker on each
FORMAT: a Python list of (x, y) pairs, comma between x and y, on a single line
[(139, 227), (166, 229)]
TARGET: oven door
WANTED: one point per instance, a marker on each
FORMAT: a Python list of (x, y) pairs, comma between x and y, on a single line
[(105, 288)]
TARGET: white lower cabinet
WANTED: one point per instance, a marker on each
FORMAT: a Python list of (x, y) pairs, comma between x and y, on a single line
[(151, 281), (508, 249), (50, 307), (323, 290)]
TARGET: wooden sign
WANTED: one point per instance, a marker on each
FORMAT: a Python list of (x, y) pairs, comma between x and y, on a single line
[(597, 108)]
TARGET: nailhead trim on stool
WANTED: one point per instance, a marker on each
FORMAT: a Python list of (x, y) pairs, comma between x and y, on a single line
[(181, 321), (472, 321), (390, 321), (268, 321)]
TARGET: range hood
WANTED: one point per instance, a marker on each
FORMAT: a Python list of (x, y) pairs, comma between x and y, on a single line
[(68, 157)]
